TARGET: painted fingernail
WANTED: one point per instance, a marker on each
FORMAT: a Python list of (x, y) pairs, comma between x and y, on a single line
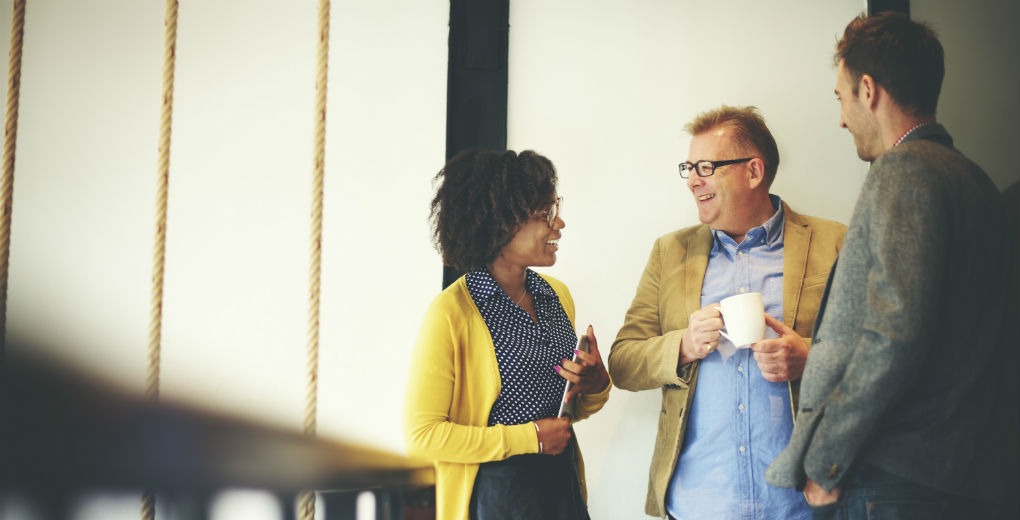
[(556, 368), (577, 351)]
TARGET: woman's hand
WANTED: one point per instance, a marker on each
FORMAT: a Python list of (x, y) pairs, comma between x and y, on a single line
[(553, 434), (588, 374)]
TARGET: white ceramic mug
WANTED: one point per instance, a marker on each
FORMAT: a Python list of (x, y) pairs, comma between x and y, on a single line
[(744, 319)]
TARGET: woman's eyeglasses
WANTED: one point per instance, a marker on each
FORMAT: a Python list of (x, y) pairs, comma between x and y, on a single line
[(550, 215)]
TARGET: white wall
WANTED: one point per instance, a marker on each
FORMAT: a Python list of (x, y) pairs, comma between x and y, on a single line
[(601, 87)]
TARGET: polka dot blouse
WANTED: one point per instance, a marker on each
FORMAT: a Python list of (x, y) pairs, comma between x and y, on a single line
[(526, 351)]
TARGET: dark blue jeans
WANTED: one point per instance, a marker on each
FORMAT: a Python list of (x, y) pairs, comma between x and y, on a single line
[(873, 494)]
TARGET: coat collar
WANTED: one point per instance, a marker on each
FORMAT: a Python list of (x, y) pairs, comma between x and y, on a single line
[(931, 132)]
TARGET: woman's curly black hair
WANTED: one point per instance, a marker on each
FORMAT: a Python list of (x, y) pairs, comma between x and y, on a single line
[(483, 198)]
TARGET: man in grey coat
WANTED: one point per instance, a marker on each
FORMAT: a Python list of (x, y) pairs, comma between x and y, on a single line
[(896, 397)]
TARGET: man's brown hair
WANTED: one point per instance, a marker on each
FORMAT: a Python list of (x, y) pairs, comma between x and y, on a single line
[(749, 132), (903, 56)]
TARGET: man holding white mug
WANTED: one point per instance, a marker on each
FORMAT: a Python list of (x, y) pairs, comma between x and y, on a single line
[(713, 445)]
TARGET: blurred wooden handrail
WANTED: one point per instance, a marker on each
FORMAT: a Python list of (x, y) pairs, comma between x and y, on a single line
[(61, 432)]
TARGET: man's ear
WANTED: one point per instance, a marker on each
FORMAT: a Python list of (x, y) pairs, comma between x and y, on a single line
[(868, 91), (756, 173)]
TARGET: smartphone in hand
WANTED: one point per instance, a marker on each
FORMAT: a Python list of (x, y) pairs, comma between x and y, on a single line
[(568, 408)]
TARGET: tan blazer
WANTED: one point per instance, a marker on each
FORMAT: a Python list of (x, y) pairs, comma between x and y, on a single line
[(647, 349)]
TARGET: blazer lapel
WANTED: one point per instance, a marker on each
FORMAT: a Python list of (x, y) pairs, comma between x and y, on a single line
[(796, 242), (699, 246), (825, 299)]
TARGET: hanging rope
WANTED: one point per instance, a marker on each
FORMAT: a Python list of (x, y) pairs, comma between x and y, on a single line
[(10, 141), (159, 248), (306, 499)]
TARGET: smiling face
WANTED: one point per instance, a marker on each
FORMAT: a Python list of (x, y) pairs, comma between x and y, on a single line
[(727, 200), (535, 243), (855, 117)]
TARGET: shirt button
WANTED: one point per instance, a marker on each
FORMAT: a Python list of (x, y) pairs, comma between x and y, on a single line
[(742, 449), (742, 290), (740, 368), (740, 407)]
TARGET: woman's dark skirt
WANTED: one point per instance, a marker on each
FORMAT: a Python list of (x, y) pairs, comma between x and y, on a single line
[(529, 487)]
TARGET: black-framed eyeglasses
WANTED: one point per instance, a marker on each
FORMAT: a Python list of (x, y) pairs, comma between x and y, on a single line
[(706, 168), (550, 215)]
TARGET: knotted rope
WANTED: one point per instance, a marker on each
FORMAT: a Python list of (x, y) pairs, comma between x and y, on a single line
[(159, 248), (10, 141), (306, 499)]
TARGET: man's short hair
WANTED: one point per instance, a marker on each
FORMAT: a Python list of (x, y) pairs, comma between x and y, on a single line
[(749, 132), (903, 56)]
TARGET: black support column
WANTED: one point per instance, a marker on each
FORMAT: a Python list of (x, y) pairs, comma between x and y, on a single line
[(900, 6), (476, 80)]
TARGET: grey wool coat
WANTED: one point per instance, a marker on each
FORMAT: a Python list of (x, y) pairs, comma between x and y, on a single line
[(899, 373)]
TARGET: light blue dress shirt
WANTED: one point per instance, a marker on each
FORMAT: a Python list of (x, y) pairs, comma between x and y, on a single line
[(739, 421)]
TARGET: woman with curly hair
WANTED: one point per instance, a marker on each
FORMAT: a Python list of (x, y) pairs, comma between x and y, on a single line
[(494, 351)]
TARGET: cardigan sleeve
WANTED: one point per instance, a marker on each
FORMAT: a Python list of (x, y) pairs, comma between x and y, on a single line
[(430, 431)]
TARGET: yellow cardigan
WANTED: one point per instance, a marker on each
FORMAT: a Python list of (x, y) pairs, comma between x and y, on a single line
[(453, 382)]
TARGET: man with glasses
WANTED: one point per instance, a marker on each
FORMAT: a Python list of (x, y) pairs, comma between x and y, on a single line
[(898, 409), (713, 445)]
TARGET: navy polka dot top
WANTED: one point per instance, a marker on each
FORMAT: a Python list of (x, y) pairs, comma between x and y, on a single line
[(526, 351)]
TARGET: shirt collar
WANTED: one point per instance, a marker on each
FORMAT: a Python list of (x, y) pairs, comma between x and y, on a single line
[(774, 225), (772, 228), (537, 285), (484, 286)]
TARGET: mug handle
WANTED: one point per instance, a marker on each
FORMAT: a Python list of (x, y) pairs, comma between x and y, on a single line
[(721, 331)]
